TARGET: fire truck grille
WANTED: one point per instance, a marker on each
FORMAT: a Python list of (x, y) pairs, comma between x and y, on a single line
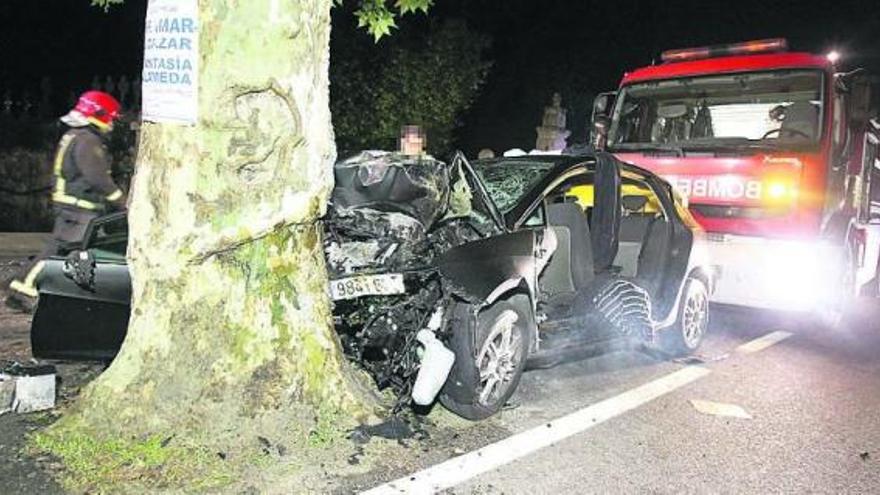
[(747, 212)]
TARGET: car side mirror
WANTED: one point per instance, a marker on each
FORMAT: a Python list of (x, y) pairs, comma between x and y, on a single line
[(857, 87), (599, 140), (602, 103), (600, 120)]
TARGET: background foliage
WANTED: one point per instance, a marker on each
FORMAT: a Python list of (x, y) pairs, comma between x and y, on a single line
[(427, 74)]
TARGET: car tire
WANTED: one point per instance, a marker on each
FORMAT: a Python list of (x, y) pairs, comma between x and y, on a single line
[(490, 356), (692, 322)]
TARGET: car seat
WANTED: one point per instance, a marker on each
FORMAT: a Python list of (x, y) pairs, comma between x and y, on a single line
[(571, 267)]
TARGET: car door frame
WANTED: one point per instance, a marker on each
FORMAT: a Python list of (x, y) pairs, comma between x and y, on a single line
[(68, 321)]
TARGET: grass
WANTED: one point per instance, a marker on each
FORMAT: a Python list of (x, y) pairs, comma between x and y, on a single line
[(112, 465), (328, 428), (162, 463), (307, 454)]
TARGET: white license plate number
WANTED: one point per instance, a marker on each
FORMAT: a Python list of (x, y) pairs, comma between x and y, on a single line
[(367, 285)]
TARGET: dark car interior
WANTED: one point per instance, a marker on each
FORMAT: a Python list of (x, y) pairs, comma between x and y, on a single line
[(107, 237), (641, 242)]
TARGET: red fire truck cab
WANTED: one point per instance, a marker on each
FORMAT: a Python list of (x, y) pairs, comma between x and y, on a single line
[(777, 157)]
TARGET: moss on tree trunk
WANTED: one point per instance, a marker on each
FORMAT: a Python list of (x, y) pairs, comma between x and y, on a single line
[(230, 325)]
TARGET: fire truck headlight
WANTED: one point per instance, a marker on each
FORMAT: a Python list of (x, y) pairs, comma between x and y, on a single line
[(778, 193)]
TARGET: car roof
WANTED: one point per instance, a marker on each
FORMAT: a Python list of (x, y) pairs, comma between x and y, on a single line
[(561, 160), (561, 164), (564, 162)]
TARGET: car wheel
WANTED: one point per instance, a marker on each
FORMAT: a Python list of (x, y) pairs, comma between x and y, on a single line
[(490, 355), (693, 320)]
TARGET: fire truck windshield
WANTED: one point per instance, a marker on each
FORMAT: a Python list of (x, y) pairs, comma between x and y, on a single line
[(778, 109)]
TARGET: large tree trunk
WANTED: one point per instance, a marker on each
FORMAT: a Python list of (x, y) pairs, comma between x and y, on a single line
[(230, 318)]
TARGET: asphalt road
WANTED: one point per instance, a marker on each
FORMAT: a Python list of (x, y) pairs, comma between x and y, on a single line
[(813, 401)]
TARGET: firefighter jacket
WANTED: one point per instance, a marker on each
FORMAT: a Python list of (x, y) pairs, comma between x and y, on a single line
[(82, 173)]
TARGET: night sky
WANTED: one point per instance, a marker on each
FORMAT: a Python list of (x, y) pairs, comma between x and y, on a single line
[(575, 47)]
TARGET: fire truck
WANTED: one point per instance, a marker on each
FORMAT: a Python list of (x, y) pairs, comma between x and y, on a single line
[(776, 155)]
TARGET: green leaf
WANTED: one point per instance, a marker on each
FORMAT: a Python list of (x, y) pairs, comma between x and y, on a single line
[(375, 16), (378, 19), (106, 4), (381, 27), (412, 6)]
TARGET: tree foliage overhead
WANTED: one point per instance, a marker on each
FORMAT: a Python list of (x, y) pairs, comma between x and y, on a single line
[(373, 15), (427, 77), (378, 19), (427, 74)]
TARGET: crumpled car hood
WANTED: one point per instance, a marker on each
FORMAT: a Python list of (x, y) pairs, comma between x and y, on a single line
[(418, 187)]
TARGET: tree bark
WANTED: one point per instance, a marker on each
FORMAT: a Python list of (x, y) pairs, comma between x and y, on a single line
[(230, 317)]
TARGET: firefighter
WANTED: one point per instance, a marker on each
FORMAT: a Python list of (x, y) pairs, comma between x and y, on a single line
[(83, 188)]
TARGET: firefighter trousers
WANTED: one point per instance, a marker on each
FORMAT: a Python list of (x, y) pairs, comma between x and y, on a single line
[(70, 226)]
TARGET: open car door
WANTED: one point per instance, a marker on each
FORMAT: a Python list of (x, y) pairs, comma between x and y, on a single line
[(85, 297)]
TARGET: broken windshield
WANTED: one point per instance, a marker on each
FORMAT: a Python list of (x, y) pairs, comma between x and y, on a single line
[(508, 180), (734, 110)]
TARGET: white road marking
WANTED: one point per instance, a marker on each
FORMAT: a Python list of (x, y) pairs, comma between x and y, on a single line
[(764, 342), (464, 467), (720, 409)]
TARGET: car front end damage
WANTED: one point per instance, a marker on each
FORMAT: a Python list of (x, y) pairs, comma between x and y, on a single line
[(405, 237), (436, 294)]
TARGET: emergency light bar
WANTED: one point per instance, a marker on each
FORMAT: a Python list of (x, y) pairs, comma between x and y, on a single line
[(745, 48)]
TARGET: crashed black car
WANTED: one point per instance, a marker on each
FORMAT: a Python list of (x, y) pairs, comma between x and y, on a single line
[(449, 279), (505, 263)]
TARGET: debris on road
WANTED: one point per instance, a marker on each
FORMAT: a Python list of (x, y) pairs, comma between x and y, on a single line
[(394, 428), (720, 409), (865, 456), (26, 388), (696, 359)]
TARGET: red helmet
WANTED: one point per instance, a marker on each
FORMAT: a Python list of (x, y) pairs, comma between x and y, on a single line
[(93, 107)]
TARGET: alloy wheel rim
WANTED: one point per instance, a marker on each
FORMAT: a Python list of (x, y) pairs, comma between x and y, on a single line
[(498, 357), (696, 317)]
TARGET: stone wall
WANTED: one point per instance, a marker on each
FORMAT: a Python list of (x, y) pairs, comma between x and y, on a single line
[(25, 185)]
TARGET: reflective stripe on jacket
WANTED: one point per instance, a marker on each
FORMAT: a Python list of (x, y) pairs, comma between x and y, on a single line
[(82, 172)]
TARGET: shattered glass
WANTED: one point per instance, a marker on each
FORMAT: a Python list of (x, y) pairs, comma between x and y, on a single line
[(461, 197), (507, 183)]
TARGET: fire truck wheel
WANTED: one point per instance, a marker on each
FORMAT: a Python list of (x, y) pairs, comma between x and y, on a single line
[(490, 356), (686, 335)]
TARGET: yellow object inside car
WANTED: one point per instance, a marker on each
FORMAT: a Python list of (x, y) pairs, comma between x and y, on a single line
[(584, 196)]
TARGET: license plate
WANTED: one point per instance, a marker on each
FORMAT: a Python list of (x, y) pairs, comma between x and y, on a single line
[(367, 285)]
